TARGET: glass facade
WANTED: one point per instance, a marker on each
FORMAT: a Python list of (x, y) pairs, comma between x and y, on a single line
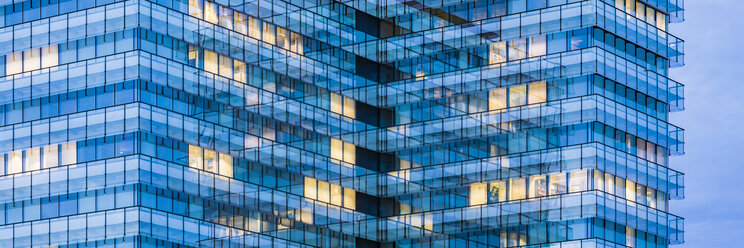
[(378, 123)]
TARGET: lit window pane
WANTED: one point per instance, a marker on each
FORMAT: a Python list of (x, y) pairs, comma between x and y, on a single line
[(336, 103), (324, 191), (226, 17), (282, 38), (195, 8), (210, 62), (537, 92), (2, 164), (15, 162), (254, 28), (630, 188), (311, 189), (32, 59), (210, 12), (349, 153), (13, 63), (240, 23), (577, 181), (239, 71), (497, 53), (349, 198), (225, 66), (497, 191), (33, 159), (196, 158), (268, 33), (478, 194), (537, 186), (497, 99), (336, 195), (337, 149), (349, 107), (558, 184), (69, 153), (517, 189), (210, 161), (226, 165), (49, 56), (517, 49), (296, 44)]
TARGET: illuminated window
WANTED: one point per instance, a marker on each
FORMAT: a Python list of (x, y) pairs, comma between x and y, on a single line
[(49, 56), (651, 197), (517, 95), (254, 28), (240, 23), (640, 194), (268, 33), (497, 53), (537, 93), (15, 162), (226, 17), (295, 43), (13, 63), (650, 12), (33, 159), (577, 181), (538, 46), (609, 183), (497, 191), (324, 192), (661, 21), (537, 186), (478, 194), (51, 156), (226, 165), (210, 12), (640, 10), (337, 103), (497, 99), (211, 63), (630, 188), (195, 8), (2, 164), (557, 184), (239, 73), (311, 188), (629, 237), (336, 195), (349, 198), (196, 157), (282, 38), (517, 189), (630, 6), (226, 66), (193, 55), (210, 161), (69, 153), (349, 107)]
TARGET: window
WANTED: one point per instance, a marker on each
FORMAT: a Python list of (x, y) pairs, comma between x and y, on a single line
[(69, 153), (324, 191), (225, 66), (630, 188), (295, 44), (538, 46), (517, 189), (282, 38), (349, 198), (210, 12), (226, 165), (537, 93), (517, 95), (33, 159), (311, 188), (15, 162), (210, 161), (557, 184), (226, 17), (211, 63), (268, 33), (497, 53), (517, 49), (14, 63), (343, 105), (497, 99), (196, 157), (577, 181), (49, 56), (239, 71), (537, 186), (254, 28), (497, 191), (478, 194), (195, 8), (336, 195), (240, 25)]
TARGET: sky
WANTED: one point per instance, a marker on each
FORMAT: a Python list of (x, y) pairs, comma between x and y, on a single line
[(713, 121)]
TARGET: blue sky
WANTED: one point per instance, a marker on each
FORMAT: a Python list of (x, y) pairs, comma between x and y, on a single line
[(714, 123)]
